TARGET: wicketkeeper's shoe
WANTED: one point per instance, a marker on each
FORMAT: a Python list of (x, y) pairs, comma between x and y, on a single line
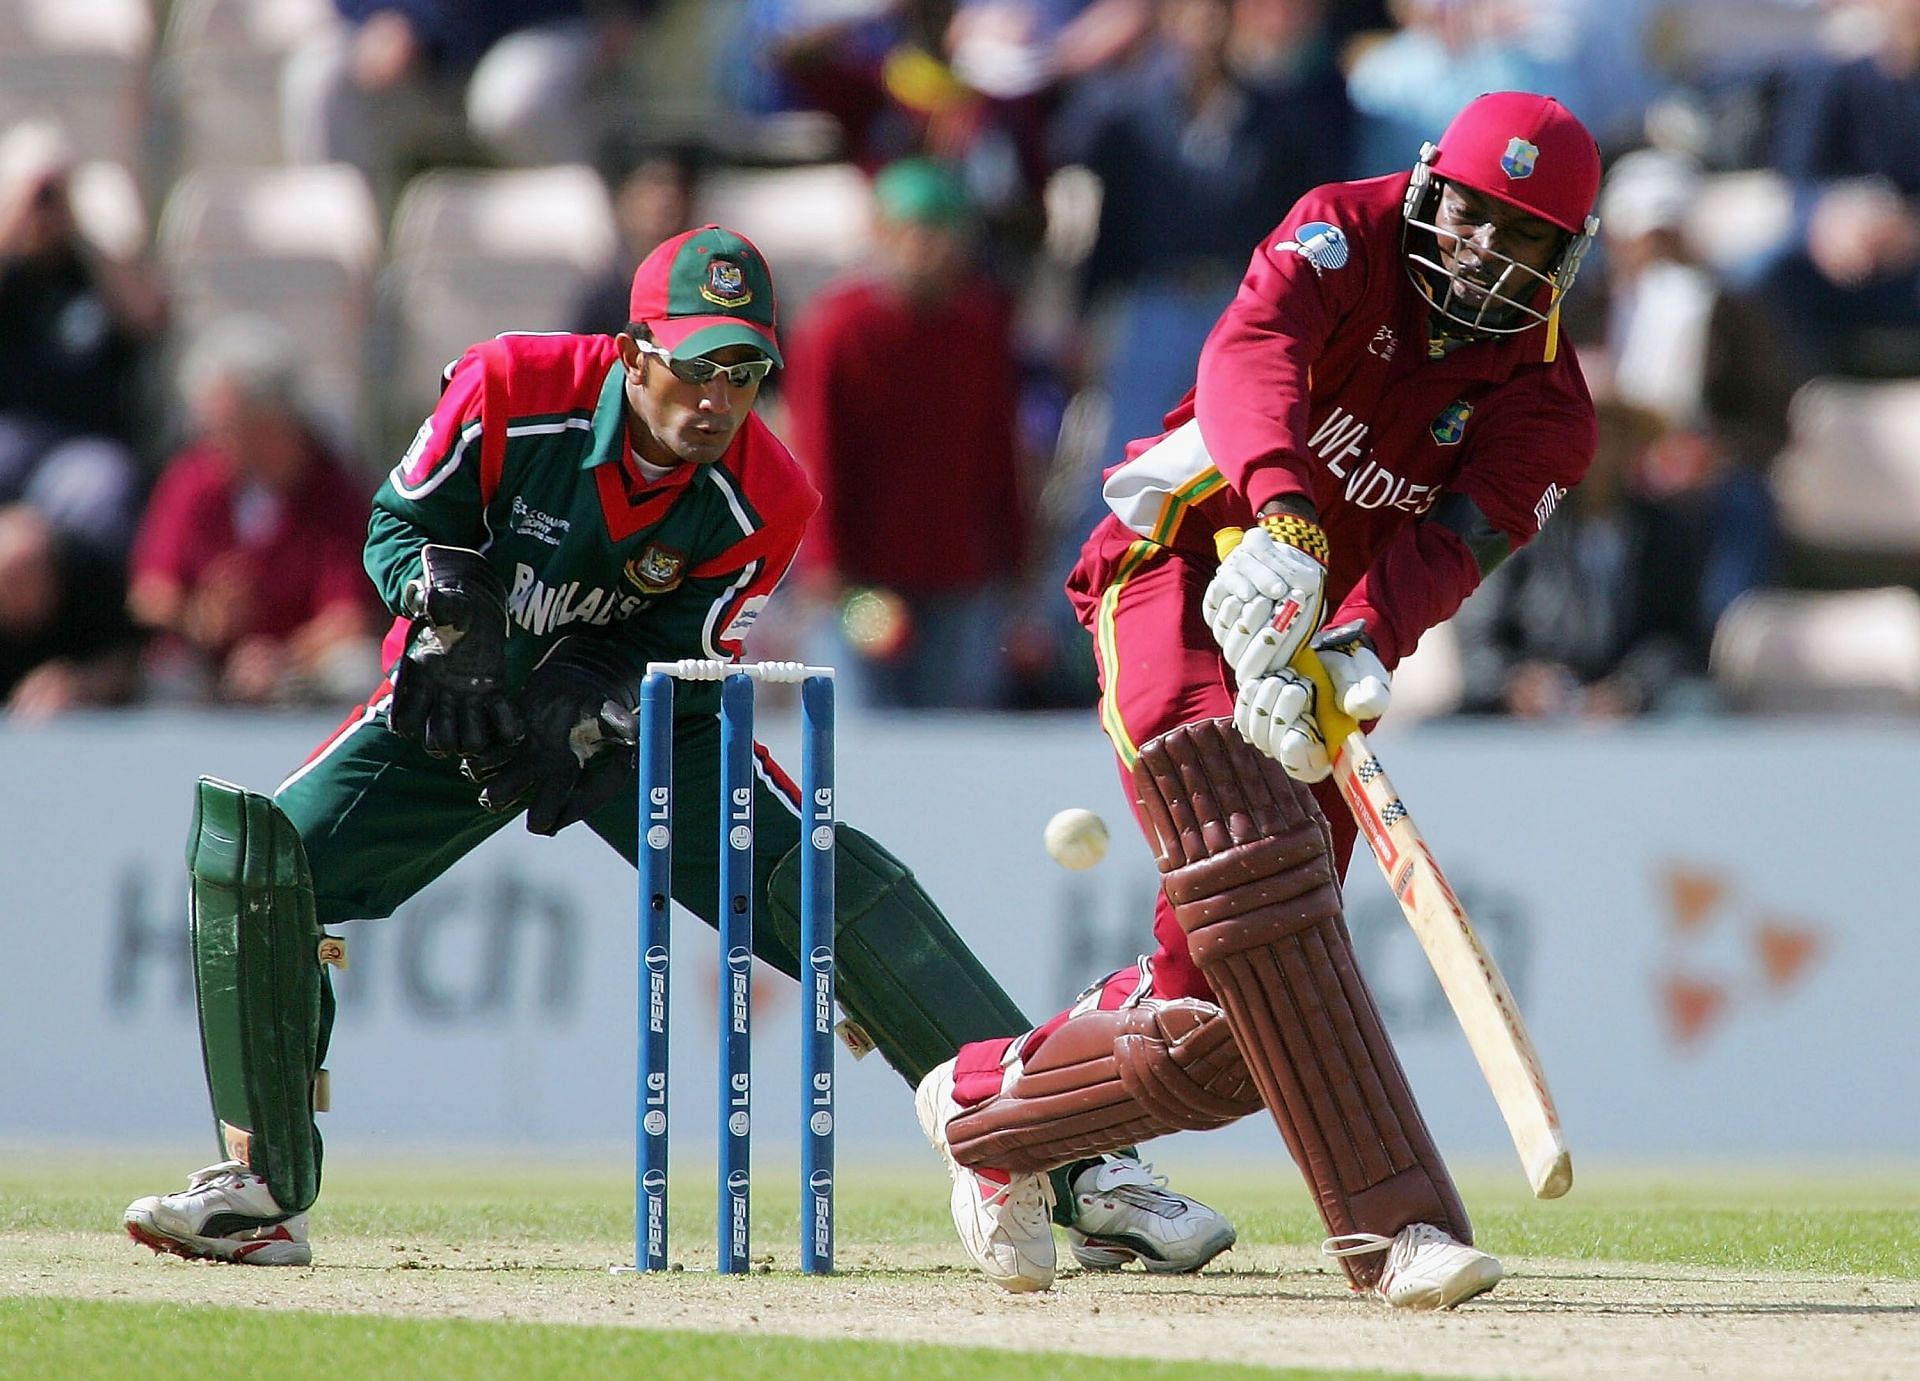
[(1004, 1220), (1124, 1212), (1426, 1267), (224, 1214)]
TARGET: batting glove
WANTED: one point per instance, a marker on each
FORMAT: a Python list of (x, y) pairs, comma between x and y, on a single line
[(1276, 715), (1279, 714), (1359, 678), (1269, 595)]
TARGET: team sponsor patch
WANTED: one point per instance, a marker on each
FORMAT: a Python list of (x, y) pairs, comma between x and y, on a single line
[(1451, 424), (1322, 245), (1517, 162), (726, 284), (744, 619), (657, 570)]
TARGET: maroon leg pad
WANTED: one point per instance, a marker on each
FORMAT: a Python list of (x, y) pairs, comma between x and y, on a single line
[(1245, 861), (1107, 1079)]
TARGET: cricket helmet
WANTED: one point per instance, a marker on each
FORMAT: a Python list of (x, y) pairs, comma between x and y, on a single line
[(1528, 151)]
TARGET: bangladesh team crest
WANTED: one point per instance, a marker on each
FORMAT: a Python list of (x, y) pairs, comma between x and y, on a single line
[(1451, 424), (726, 284), (1517, 162), (656, 570)]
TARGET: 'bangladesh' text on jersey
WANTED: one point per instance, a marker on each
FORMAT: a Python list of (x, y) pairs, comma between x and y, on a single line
[(526, 459)]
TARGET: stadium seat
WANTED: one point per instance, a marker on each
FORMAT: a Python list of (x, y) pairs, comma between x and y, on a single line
[(810, 222), (1848, 482), (474, 254), (83, 64), (296, 245), (1741, 35), (220, 63), (1796, 652)]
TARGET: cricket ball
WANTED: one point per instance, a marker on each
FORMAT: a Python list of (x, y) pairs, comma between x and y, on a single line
[(1076, 838)]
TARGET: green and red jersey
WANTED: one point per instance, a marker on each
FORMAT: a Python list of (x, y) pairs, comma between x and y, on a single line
[(526, 459)]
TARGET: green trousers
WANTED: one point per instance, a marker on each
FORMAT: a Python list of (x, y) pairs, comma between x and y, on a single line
[(380, 820)]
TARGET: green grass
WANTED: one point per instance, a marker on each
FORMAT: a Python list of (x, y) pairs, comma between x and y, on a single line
[(73, 1340), (1860, 1225), (1735, 1221), (473, 1220)]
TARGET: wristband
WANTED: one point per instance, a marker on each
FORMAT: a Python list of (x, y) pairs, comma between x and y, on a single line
[(1302, 534)]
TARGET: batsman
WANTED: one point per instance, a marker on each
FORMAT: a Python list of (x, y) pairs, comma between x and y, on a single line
[(1386, 411), (575, 507)]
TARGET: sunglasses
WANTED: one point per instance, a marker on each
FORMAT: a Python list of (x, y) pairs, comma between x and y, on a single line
[(700, 370)]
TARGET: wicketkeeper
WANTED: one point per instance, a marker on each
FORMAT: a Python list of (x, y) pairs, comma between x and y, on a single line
[(1387, 411), (575, 507)]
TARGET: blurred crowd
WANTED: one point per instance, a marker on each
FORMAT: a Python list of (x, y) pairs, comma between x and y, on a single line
[(239, 237)]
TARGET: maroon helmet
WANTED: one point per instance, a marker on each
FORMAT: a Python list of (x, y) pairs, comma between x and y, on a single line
[(1531, 152)]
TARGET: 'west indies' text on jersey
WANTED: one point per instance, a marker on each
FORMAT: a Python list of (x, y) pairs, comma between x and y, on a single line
[(526, 459), (1317, 380)]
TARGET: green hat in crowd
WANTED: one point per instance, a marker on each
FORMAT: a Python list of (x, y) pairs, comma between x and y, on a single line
[(706, 289), (919, 191)]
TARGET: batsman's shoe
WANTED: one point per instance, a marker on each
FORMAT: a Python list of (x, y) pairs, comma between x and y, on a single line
[(1005, 1221), (224, 1214), (1426, 1268), (1124, 1212)]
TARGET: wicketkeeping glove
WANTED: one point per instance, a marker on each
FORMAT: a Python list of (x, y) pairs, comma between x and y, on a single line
[(579, 750), (449, 687), (1269, 595)]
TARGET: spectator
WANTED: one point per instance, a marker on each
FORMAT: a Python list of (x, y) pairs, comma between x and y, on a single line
[(901, 391), (64, 638), (75, 331), (519, 72), (1444, 54), (969, 83), (248, 560), (1678, 341), (1849, 282), (1600, 616), (1197, 161), (653, 202)]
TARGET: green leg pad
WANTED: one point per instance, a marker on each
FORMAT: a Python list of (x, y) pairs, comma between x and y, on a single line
[(265, 1006), (905, 977)]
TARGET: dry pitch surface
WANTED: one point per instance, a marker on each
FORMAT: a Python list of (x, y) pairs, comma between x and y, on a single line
[(1268, 1305)]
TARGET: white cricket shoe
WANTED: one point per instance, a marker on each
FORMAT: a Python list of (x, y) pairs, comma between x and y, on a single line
[(1004, 1220), (225, 1213), (1124, 1212), (1426, 1267)]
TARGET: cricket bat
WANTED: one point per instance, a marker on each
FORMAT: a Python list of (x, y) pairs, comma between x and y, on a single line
[(1471, 980)]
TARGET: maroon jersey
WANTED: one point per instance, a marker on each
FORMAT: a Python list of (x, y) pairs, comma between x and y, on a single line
[(1318, 380)]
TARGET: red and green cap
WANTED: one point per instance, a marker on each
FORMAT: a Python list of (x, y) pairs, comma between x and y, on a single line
[(706, 289)]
